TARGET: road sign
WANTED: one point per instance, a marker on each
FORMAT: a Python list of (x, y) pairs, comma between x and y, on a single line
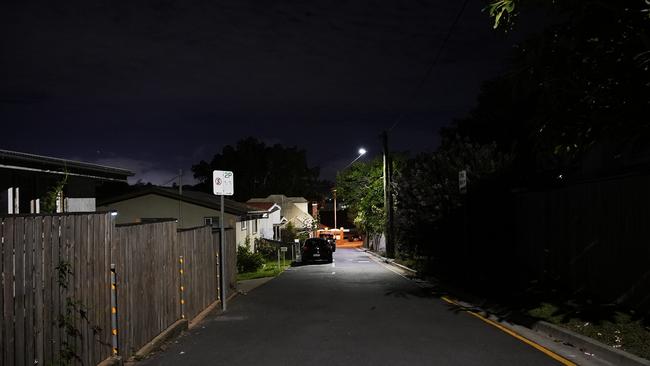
[(283, 249), (223, 182), (462, 181)]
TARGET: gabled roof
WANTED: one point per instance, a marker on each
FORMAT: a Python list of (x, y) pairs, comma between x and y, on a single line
[(279, 199), (47, 164), (264, 206), (194, 197)]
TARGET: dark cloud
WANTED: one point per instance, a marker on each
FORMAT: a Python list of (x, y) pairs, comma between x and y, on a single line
[(170, 82)]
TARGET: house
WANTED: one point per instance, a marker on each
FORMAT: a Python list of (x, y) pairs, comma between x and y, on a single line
[(294, 210), (190, 208), (26, 179), (269, 228)]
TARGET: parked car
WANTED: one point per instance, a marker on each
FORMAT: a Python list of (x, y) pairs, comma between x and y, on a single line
[(330, 239), (317, 249)]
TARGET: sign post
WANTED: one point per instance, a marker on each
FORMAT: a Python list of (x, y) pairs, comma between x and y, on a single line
[(462, 181), (222, 185), (284, 255)]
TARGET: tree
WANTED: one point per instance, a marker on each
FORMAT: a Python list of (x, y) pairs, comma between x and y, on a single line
[(579, 88), (506, 10), (261, 170), (426, 188), (361, 187)]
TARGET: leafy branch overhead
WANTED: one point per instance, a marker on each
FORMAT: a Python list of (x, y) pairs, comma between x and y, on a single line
[(501, 9)]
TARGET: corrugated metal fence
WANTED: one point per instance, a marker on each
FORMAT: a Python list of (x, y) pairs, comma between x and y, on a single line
[(590, 237), (56, 284)]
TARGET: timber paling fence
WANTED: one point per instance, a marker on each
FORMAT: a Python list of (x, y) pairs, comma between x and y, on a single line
[(56, 285)]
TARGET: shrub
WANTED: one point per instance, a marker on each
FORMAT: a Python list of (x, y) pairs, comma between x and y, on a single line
[(265, 249), (248, 261)]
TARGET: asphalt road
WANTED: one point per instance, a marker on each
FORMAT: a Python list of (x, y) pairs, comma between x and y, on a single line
[(350, 312)]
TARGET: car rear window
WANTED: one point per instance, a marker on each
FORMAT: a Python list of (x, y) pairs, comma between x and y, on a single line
[(312, 242)]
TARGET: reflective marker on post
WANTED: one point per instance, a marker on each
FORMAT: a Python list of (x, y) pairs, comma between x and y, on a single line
[(113, 311), (218, 276), (182, 288)]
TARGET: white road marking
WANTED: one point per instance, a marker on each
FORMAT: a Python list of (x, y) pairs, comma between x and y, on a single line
[(333, 265), (333, 272)]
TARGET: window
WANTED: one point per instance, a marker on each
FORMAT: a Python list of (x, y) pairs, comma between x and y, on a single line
[(207, 221), (254, 226), (244, 224)]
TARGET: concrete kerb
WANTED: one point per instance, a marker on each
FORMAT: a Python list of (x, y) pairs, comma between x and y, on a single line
[(111, 361), (169, 333), (585, 344), (589, 345)]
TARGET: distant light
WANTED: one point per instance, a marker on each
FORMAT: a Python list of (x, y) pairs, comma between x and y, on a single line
[(362, 151), (560, 176), (114, 213)]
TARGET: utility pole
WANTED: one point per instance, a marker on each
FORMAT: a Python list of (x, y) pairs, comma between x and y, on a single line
[(388, 198), (335, 208)]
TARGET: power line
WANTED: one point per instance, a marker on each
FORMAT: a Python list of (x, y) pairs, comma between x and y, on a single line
[(420, 85)]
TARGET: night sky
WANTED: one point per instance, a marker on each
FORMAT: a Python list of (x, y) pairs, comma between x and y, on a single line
[(154, 86)]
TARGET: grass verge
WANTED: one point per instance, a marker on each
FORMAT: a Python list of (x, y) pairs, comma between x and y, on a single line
[(618, 329), (269, 269)]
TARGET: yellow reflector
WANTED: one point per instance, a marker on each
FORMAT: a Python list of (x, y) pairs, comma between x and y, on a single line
[(182, 288), (114, 332), (114, 310)]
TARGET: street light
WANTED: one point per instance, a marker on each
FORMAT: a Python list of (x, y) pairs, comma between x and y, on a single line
[(362, 152)]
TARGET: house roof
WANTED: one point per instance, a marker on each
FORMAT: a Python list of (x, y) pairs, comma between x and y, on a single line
[(47, 164), (193, 197), (264, 206), (279, 198)]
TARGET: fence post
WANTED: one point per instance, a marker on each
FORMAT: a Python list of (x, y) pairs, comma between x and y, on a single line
[(182, 288), (114, 311)]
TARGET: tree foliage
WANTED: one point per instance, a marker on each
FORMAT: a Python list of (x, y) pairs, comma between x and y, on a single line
[(426, 187), (580, 87), (261, 170), (51, 197), (361, 187)]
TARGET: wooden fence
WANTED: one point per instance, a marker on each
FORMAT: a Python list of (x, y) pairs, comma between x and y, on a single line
[(56, 273), (147, 268), (200, 278), (53, 266)]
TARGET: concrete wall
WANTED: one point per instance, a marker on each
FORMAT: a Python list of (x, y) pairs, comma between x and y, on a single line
[(80, 204), (154, 206)]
